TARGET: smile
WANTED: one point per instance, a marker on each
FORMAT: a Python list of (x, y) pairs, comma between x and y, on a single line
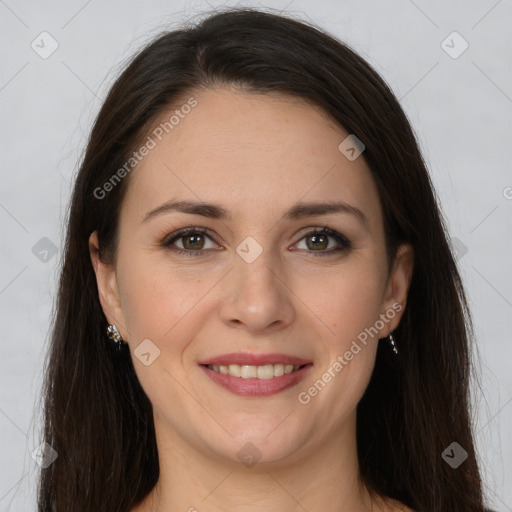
[(264, 372), (256, 381)]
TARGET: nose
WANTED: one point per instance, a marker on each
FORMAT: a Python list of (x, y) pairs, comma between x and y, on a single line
[(257, 297)]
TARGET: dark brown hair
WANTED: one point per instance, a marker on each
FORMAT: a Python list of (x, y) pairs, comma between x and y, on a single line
[(96, 415)]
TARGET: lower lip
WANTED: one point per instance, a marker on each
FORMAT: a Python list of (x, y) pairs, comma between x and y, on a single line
[(257, 387)]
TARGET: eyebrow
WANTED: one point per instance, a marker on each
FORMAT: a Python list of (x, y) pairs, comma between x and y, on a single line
[(298, 211)]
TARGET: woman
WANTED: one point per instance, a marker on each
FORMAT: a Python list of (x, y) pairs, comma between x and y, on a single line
[(254, 232)]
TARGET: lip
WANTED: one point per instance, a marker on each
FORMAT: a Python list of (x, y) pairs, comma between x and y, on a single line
[(254, 359), (257, 387)]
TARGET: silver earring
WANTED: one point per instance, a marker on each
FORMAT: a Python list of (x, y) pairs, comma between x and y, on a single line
[(117, 339), (392, 343)]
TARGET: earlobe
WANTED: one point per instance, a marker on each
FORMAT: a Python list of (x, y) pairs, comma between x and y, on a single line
[(106, 281), (398, 285)]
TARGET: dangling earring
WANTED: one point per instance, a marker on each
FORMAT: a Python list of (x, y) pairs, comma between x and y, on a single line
[(392, 343), (117, 339)]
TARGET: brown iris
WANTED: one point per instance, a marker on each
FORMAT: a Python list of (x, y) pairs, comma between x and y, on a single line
[(196, 241), (319, 242)]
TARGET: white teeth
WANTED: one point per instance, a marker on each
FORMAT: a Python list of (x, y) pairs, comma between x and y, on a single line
[(278, 370), (235, 370), (264, 372), (248, 372)]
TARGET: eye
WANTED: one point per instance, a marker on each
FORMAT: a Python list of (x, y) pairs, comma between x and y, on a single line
[(323, 242), (190, 241), (195, 242)]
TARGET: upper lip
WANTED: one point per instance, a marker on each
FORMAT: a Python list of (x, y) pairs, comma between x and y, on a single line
[(242, 359)]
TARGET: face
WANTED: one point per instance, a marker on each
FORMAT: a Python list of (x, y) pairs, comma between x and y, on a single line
[(228, 299)]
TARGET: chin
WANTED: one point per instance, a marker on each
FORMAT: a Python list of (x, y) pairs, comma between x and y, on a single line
[(264, 448)]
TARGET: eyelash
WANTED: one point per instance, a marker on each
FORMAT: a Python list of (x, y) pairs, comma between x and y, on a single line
[(343, 241)]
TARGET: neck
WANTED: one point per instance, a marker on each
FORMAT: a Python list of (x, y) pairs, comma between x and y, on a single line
[(325, 477)]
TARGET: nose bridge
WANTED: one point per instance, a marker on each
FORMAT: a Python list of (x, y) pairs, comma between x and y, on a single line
[(256, 269), (258, 297)]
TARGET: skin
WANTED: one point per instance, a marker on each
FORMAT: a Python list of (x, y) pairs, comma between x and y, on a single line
[(255, 155)]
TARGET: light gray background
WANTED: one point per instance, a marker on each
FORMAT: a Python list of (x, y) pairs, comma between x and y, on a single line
[(460, 108)]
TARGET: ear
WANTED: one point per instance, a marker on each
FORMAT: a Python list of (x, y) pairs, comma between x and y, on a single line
[(108, 290), (397, 288)]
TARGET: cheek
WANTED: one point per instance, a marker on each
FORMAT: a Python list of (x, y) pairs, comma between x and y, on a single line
[(346, 301), (158, 300), (350, 305), (347, 356)]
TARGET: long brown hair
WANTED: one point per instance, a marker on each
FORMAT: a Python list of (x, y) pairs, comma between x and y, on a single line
[(96, 415)]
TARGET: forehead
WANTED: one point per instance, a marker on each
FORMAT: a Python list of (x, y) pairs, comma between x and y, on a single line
[(245, 151)]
